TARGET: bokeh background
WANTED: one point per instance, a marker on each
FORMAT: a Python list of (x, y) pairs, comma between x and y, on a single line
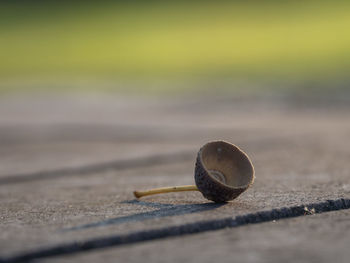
[(174, 46)]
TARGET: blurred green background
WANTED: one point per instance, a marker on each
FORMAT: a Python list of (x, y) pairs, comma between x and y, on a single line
[(51, 43)]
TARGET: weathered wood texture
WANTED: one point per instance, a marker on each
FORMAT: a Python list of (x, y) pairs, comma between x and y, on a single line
[(69, 164)]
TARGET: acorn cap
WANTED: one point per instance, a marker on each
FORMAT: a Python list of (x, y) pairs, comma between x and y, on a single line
[(222, 171)]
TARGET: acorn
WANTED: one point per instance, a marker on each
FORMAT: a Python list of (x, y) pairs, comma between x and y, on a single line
[(222, 173)]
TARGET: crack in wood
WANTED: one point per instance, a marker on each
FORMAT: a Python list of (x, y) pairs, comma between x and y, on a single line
[(118, 165), (185, 229)]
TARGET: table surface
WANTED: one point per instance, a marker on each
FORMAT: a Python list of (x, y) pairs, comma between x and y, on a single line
[(70, 162)]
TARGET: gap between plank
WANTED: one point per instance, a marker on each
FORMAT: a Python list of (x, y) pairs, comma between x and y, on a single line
[(185, 229), (147, 161)]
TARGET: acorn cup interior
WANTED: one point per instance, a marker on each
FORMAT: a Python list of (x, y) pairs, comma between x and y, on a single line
[(227, 164)]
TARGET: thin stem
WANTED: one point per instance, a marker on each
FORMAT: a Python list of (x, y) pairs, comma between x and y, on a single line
[(163, 190)]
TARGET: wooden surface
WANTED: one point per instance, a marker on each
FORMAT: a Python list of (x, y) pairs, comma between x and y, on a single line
[(69, 165)]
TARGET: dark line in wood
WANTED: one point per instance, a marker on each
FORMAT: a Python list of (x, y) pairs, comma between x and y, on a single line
[(185, 229), (117, 165)]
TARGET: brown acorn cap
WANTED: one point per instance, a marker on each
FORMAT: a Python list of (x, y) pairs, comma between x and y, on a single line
[(222, 171)]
